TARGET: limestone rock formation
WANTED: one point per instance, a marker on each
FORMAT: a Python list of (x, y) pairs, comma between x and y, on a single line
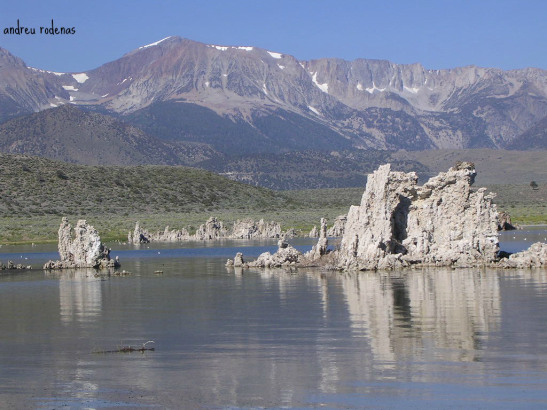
[(81, 248), (441, 223), (314, 233), (337, 230), (238, 260), (138, 235)]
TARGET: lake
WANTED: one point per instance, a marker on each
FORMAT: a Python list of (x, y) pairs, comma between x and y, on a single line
[(437, 338)]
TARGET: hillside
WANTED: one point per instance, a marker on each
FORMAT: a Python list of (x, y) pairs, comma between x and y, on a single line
[(493, 166), (308, 169), (534, 138), (36, 186)]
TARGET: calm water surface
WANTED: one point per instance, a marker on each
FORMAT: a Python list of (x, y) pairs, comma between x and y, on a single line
[(438, 338)]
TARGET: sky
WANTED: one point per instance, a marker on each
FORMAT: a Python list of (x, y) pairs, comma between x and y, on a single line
[(506, 34)]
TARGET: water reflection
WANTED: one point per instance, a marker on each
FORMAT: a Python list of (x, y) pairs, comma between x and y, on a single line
[(415, 313), (80, 297), (534, 277), (266, 338)]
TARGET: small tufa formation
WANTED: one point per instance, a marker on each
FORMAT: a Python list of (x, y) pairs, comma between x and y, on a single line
[(212, 229), (12, 266), (320, 248), (286, 255), (81, 248), (238, 261), (504, 222), (337, 230), (533, 257), (140, 235)]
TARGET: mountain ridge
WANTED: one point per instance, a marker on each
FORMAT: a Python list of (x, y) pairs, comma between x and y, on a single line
[(367, 103)]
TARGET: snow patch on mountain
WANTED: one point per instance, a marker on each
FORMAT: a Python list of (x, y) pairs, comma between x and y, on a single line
[(275, 55), (45, 71), (314, 110), (70, 88), (81, 77), (413, 90), (323, 87), (224, 48), (374, 88), (154, 44)]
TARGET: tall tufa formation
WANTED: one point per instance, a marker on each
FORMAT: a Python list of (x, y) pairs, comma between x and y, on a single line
[(441, 223), (81, 248)]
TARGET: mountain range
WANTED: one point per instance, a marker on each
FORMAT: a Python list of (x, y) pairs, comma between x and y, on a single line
[(178, 101)]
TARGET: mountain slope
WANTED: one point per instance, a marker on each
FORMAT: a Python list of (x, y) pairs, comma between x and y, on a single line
[(533, 138), (24, 90), (269, 131), (70, 134), (308, 169)]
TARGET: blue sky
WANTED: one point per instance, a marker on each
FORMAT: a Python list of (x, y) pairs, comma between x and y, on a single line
[(506, 34)]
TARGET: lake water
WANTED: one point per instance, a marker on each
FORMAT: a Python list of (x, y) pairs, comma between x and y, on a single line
[(434, 338)]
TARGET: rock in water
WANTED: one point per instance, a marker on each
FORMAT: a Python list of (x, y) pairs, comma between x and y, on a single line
[(81, 248), (442, 223)]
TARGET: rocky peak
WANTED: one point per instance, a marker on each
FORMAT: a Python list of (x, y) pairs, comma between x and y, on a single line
[(8, 60)]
